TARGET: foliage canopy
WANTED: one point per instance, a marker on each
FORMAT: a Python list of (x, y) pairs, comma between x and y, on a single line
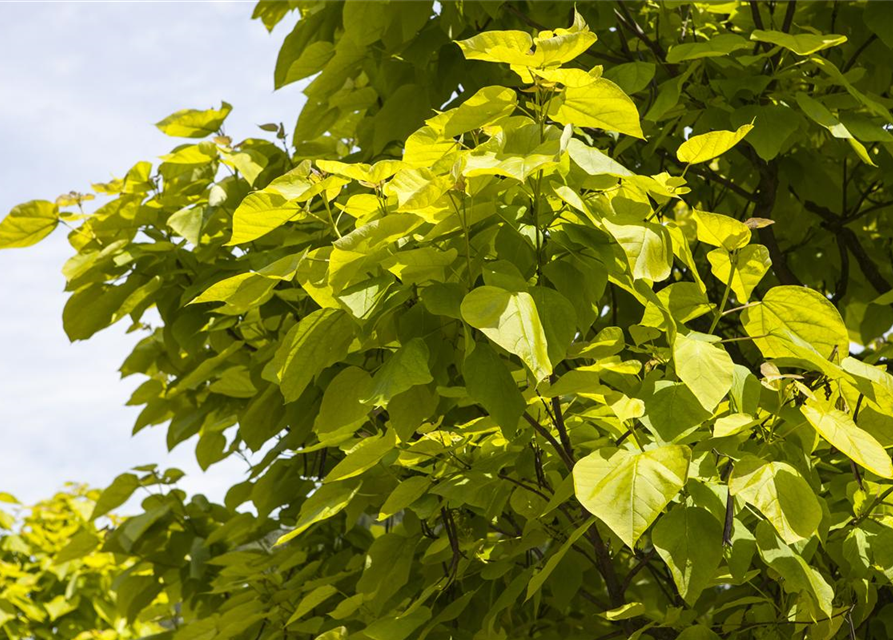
[(534, 332)]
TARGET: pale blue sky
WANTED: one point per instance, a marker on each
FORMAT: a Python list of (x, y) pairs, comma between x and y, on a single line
[(80, 86)]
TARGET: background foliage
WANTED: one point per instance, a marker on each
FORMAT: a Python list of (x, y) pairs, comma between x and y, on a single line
[(538, 333)]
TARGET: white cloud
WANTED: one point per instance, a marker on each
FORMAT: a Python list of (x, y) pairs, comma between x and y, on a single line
[(81, 85)]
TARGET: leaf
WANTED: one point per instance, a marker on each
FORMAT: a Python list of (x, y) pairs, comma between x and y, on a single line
[(405, 369), (625, 612), (326, 502), (601, 104), (631, 77), (798, 576), (404, 495), (780, 493), (717, 46), (672, 411), (878, 17), (490, 384), (28, 223), (721, 231), (689, 539), (259, 214), (559, 320), (838, 428), (81, 544), (593, 161), (341, 404), (188, 223), (540, 577), (417, 188), (115, 494), (363, 456), (790, 314), (707, 146), (517, 47), (510, 319), (319, 340), (803, 44), (194, 123), (648, 247), (751, 264), (312, 600), (508, 47), (487, 106), (705, 368), (627, 491)]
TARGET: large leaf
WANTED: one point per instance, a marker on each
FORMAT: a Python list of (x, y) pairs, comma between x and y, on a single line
[(487, 106), (194, 123), (798, 576), (780, 493), (601, 104), (363, 456), (707, 146), (751, 264), (648, 247), (705, 368), (319, 340), (628, 490), (28, 223), (717, 46), (790, 314), (260, 213), (721, 231), (510, 319), (406, 368), (326, 502), (803, 44), (490, 384), (838, 428), (689, 539)]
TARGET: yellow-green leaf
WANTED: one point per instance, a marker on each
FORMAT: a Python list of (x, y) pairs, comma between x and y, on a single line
[(510, 319), (790, 314), (707, 146), (779, 492), (838, 428), (28, 223), (803, 44), (721, 231), (195, 123), (600, 104), (648, 246), (487, 106), (706, 369), (259, 213), (751, 264), (627, 490), (326, 502), (363, 456), (689, 540)]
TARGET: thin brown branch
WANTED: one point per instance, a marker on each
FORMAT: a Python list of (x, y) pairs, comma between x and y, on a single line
[(540, 429), (558, 416), (858, 52), (626, 20)]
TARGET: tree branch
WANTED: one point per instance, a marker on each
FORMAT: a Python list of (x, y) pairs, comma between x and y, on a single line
[(858, 52), (789, 16), (766, 192), (633, 27), (559, 423), (540, 429), (848, 237)]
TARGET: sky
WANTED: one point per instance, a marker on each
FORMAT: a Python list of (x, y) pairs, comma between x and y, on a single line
[(80, 86)]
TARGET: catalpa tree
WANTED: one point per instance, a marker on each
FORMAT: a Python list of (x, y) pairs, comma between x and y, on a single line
[(571, 333)]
